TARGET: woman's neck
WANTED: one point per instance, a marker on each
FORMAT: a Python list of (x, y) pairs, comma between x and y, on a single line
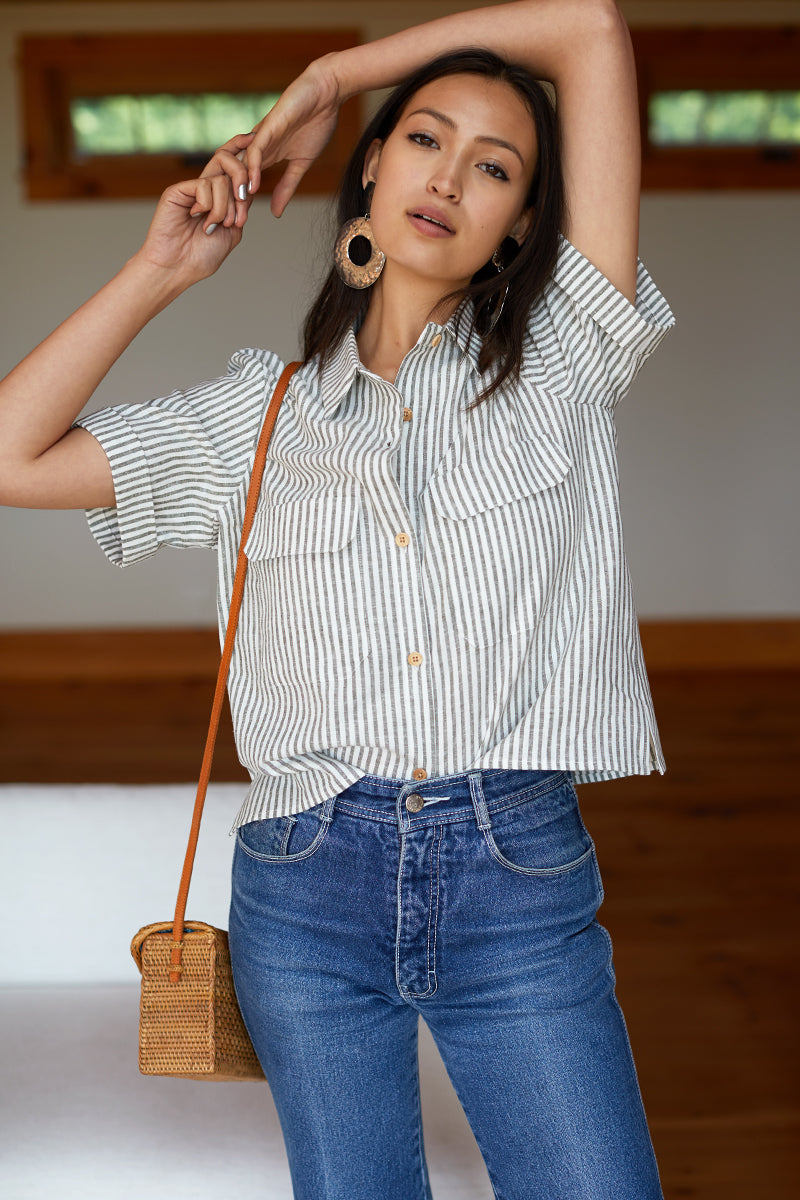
[(399, 309)]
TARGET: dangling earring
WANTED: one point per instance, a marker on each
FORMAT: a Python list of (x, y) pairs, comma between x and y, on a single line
[(498, 308), (353, 275)]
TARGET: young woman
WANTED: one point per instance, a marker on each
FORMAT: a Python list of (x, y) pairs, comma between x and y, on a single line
[(438, 637)]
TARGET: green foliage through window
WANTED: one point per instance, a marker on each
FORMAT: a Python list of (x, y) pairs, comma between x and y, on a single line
[(163, 124), (698, 118)]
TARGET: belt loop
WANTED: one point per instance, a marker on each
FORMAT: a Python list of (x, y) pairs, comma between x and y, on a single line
[(478, 801), (328, 807)]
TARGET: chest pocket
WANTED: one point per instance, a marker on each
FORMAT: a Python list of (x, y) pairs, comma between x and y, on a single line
[(528, 466), (311, 525), (299, 584), (499, 533)]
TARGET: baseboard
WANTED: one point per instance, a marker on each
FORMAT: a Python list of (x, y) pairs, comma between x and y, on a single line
[(722, 645), (130, 655)]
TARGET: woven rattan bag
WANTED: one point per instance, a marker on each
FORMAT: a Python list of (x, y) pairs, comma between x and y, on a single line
[(189, 1020)]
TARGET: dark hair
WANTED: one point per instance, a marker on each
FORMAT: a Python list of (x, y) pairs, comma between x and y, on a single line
[(526, 268)]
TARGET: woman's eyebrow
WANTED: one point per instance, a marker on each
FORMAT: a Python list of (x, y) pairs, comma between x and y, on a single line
[(485, 139)]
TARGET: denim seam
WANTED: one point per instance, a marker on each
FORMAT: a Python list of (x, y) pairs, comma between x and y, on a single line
[(529, 793), (312, 848), (358, 810), (401, 989), (505, 862), (291, 821), (433, 918), (378, 780)]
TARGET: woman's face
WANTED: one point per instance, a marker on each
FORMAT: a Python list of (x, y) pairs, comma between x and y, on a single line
[(452, 178)]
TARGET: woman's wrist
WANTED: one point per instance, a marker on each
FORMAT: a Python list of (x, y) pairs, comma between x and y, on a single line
[(153, 284)]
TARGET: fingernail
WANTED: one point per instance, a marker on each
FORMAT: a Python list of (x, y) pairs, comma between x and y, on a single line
[(242, 191), (193, 215), (211, 228), (250, 185)]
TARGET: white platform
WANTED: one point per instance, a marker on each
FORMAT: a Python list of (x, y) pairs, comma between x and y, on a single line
[(81, 868), (78, 1122)]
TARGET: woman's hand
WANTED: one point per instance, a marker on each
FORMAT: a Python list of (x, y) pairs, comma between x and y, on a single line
[(296, 130), (197, 223)]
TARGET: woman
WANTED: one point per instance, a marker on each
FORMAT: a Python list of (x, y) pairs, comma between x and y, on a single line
[(438, 638)]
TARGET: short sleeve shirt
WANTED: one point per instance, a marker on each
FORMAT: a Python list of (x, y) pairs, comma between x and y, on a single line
[(431, 588)]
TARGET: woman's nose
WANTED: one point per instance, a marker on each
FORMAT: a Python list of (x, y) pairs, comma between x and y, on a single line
[(445, 182)]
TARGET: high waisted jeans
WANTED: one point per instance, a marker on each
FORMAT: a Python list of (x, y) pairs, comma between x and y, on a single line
[(469, 899)]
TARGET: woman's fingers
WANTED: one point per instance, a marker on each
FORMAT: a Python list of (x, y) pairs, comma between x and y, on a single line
[(227, 164), (214, 203), (255, 154), (287, 185)]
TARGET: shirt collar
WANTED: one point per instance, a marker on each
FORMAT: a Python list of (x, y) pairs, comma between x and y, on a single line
[(341, 368)]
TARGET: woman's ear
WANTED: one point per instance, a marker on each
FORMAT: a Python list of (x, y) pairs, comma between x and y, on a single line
[(523, 226), (371, 160)]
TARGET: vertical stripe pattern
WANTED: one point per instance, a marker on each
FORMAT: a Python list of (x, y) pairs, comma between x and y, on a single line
[(429, 588)]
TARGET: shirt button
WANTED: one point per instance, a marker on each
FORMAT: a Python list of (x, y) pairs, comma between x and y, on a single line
[(415, 658), (407, 414), (436, 339), (402, 539), (419, 773), (414, 802)]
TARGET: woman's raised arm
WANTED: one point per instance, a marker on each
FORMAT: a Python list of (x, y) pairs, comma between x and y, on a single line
[(581, 46), (44, 462)]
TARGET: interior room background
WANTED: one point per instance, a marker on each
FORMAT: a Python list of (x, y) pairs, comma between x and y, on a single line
[(707, 437)]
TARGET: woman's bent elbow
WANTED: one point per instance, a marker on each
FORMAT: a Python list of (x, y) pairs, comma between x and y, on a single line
[(74, 473)]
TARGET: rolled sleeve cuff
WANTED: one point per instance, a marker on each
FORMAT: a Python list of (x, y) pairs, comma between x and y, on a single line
[(636, 328), (126, 533)]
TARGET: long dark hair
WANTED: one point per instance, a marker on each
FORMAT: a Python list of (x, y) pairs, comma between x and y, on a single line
[(526, 268)]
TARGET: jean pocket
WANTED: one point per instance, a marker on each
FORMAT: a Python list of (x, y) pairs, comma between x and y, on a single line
[(284, 839), (541, 834)]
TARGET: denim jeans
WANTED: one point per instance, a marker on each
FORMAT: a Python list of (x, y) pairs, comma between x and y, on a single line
[(469, 899)]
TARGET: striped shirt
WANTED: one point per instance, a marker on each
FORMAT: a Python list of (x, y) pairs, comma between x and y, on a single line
[(429, 590)]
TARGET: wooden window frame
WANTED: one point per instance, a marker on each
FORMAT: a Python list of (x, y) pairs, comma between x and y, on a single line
[(716, 59), (55, 70)]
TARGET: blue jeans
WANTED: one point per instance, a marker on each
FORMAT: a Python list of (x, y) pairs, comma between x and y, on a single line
[(469, 899)]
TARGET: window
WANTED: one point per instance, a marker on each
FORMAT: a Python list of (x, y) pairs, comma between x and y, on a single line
[(720, 108), (125, 115)]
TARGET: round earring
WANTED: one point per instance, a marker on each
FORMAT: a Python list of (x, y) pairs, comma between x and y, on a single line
[(352, 274)]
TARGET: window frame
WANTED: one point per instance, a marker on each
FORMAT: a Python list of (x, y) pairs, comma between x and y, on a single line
[(716, 59), (54, 70)]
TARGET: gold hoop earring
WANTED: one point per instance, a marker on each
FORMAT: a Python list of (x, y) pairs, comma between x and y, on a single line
[(352, 274)]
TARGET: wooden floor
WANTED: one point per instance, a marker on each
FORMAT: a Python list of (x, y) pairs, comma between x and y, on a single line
[(700, 875)]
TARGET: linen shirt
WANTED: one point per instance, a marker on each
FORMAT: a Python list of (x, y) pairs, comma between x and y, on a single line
[(429, 590)]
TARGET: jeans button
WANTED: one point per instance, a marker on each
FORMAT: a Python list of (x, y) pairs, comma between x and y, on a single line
[(414, 802)]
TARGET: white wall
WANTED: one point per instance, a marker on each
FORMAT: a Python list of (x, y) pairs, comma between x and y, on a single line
[(707, 436)]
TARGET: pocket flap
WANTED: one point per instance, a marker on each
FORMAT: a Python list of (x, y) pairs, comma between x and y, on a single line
[(312, 525), (522, 469)]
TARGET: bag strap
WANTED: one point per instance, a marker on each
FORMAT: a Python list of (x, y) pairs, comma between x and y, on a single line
[(222, 674)]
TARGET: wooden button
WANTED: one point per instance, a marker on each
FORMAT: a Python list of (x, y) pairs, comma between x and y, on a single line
[(419, 773), (407, 414), (436, 339), (402, 539), (415, 658)]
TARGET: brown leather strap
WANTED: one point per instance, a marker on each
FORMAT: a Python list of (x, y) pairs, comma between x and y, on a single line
[(222, 674)]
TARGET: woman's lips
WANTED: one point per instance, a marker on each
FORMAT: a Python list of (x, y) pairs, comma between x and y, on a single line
[(431, 223)]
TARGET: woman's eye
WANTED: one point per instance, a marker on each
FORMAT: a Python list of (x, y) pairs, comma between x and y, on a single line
[(493, 169), (422, 139)]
